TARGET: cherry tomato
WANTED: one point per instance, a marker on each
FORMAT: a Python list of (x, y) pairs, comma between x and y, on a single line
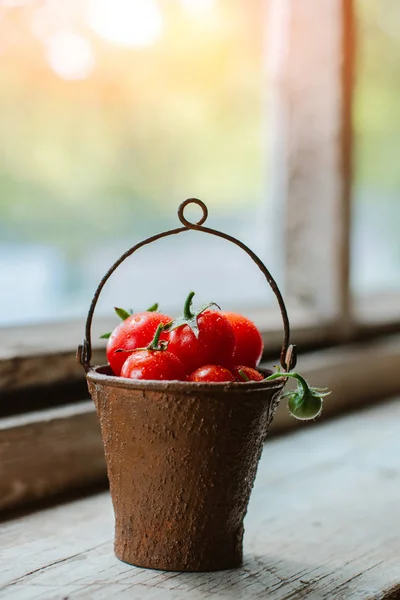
[(248, 374), (215, 343), (153, 364), (249, 344), (306, 406), (137, 331), (211, 373)]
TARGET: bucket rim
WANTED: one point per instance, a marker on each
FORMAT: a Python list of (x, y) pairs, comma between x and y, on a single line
[(95, 375)]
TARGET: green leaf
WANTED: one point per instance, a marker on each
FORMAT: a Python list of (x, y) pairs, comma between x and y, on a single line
[(123, 314), (180, 322), (153, 308), (105, 336)]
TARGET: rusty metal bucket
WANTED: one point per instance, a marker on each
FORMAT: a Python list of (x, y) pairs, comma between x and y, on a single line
[(182, 456)]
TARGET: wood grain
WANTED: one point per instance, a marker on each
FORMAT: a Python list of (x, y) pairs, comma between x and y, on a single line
[(311, 139), (45, 355), (58, 450), (44, 368), (49, 452), (39, 355), (323, 523), (35, 355)]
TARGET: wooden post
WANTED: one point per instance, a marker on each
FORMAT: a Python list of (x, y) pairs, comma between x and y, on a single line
[(311, 57)]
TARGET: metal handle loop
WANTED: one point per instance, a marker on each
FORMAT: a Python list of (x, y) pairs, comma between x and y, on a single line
[(181, 211), (288, 352)]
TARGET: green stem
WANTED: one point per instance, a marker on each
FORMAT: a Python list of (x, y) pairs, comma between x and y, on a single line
[(297, 376), (155, 343), (187, 312), (189, 316), (243, 375)]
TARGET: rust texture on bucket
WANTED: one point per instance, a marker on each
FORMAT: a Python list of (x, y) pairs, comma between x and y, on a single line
[(182, 457), (181, 460)]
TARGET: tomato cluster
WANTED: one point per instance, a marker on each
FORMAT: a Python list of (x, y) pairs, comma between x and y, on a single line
[(207, 345)]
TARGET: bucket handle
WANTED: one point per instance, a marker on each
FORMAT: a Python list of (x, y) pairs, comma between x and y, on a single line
[(288, 351)]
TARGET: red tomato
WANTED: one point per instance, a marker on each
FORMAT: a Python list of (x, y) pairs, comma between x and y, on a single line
[(251, 374), (249, 344), (215, 343), (137, 331), (211, 373), (153, 364)]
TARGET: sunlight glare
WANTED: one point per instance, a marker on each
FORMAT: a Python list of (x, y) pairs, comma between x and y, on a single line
[(14, 3), (198, 7), (133, 23), (70, 55)]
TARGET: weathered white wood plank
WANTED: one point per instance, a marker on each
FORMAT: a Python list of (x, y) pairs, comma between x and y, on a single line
[(311, 108), (44, 368), (48, 452), (323, 522)]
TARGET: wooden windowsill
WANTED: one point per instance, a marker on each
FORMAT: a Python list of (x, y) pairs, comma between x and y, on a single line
[(44, 354), (36, 355), (323, 522), (48, 452)]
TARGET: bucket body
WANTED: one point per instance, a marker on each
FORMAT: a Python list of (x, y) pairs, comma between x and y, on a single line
[(181, 461)]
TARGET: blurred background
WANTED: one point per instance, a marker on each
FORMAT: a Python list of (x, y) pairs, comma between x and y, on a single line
[(114, 111)]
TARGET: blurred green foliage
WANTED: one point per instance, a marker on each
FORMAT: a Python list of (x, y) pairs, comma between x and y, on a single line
[(377, 98), (149, 127), (89, 159)]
